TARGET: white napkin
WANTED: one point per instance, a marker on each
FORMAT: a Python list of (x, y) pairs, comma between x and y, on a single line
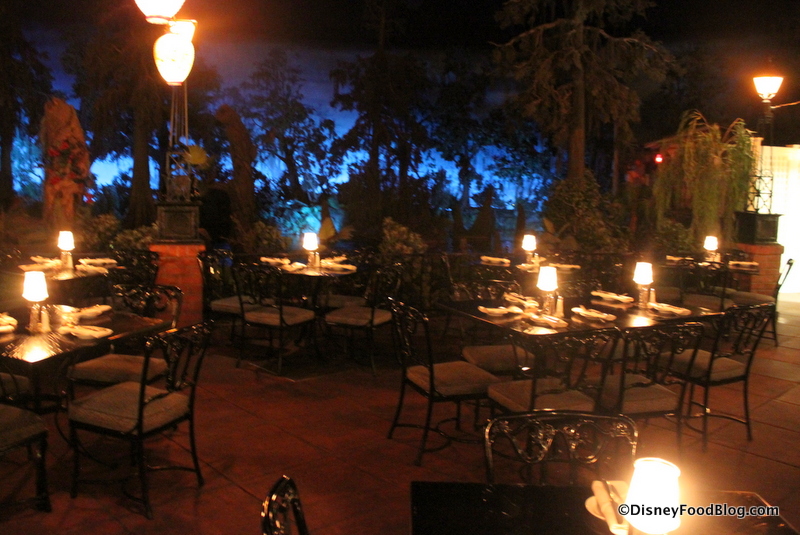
[(92, 311), (85, 332), (606, 508), (678, 259), (7, 329), (294, 266), (528, 267), (500, 311), (275, 261), (664, 308), (5, 319), (522, 301), (88, 268), (494, 260), (335, 259), (44, 259), (565, 267), (97, 262), (52, 264), (550, 321), (613, 297), (593, 314), (333, 266)]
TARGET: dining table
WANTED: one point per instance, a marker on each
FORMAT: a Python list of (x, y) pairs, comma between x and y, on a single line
[(469, 508), (38, 355)]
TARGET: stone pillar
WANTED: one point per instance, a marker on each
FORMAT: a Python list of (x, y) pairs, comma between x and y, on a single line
[(768, 257), (178, 267)]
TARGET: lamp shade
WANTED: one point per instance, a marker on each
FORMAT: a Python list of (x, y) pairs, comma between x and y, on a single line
[(529, 243), (34, 286), (159, 11), (174, 55), (643, 273), (548, 279), (711, 243), (66, 241), (654, 484), (310, 241), (767, 86)]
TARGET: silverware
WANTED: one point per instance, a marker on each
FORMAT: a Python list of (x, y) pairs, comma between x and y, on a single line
[(615, 501)]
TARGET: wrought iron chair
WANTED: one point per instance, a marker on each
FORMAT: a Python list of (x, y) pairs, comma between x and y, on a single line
[(134, 411), (138, 266), (588, 445), (383, 284), (554, 370), (125, 363), (282, 511), (738, 334), (265, 304), (642, 382), (751, 298), (437, 382), (219, 290)]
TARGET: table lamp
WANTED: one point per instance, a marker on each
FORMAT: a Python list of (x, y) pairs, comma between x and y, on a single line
[(643, 276), (66, 242), (311, 244), (654, 484), (529, 246), (548, 283), (711, 244), (34, 289)]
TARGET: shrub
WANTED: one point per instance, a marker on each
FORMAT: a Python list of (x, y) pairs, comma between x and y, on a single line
[(138, 238)]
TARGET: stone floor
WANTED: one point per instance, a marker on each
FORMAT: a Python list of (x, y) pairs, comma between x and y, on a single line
[(326, 427)]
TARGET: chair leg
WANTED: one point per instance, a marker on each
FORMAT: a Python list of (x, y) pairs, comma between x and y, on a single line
[(371, 351), (706, 415), (139, 447), (747, 407), (425, 430), (398, 410), (42, 494), (195, 460), (76, 463)]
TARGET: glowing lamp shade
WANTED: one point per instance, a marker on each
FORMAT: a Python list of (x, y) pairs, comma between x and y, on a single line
[(711, 243), (66, 241), (174, 55), (548, 279), (310, 241), (529, 243), (767, 86), (159, 11), (654, 483), (34, 286), (183, 27), (643, 273)]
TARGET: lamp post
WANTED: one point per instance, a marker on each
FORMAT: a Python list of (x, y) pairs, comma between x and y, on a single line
[(760, 195)]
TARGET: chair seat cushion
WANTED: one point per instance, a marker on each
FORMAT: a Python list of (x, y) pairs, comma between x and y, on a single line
[(750, 298), (17, 426), (117, 368), (341, 301), (456, 378), (13, 385), (116, 408), (515, 396), (711, 302), (271, 316), (229, 305), (724, 367), (358, 316), (500, 358), (654, 398)]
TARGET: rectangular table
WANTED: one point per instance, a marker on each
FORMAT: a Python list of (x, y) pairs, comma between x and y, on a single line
[(452, 508), (36, 355)]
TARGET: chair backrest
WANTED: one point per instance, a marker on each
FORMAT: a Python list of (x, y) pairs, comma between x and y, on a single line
[(14, 389), (140, 267), (588, 446), (384, 283), (149, 300), (265, 285), (651, 354), (740, 331), (413, 337), (784, 274), (216, 268), (282, 512), (565, 357)]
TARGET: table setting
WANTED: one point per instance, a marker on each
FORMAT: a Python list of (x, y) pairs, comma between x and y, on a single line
[(495, 261)]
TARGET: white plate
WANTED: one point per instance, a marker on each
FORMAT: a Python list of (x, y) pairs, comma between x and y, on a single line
[(595, 315), (591, 506), (502, 311)]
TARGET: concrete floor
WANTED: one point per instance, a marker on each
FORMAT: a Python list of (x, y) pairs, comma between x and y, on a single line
[(326, 427)]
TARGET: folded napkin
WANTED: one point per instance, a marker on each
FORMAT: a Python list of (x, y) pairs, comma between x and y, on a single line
[(7, 329), (294, 266), (665, 308), (678, 259), (741, 264), (613, 297), (335, 259), (565, 267), (606, 509), (88, 268), (44, 259), (524, 302), (92, 311), (500, 311), (53, 264), (528, 267), (85, 332), (275, 261), (494, 260), (333, 266), (550, 321), (592, 314), (97, 262), (5, 319)]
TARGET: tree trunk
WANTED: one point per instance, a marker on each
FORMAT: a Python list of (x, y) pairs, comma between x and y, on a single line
[(142, 209), (243, 153), (6, 175), (576, 164)]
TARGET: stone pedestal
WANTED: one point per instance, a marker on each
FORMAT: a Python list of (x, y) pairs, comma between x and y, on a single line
[(768, 257), (178, 267)]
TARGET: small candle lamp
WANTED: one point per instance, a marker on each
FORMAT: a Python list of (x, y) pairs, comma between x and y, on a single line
[(34, 289), (711, 244), (66, 242), (654, 483), (548, 283), (529, 246), (311, 244), (643, 276)]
